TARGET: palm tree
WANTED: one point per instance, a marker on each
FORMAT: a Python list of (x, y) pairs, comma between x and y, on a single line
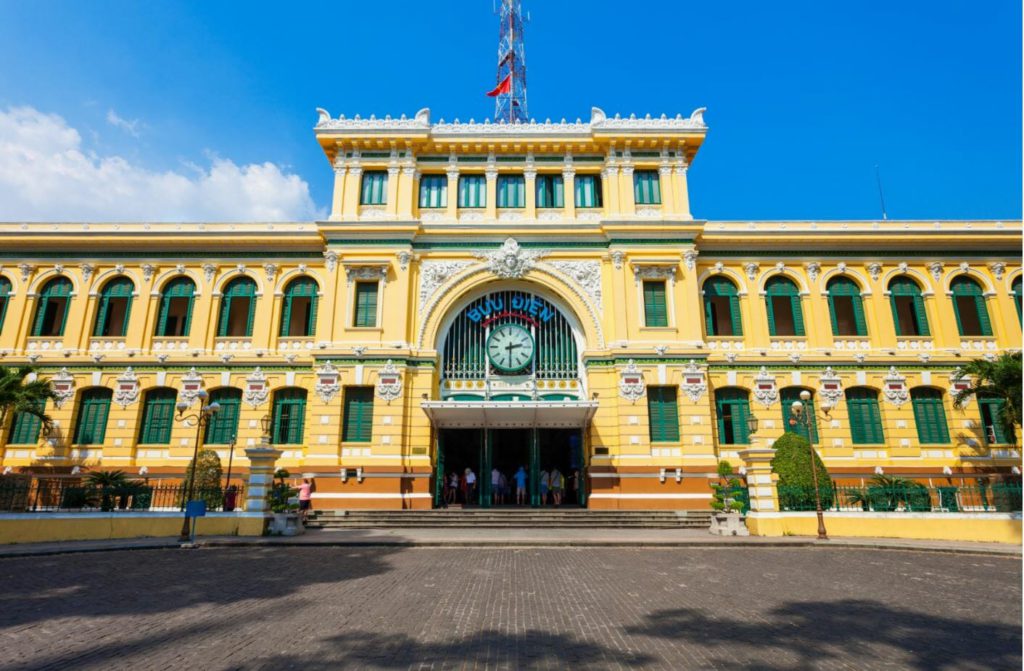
[(999, 378), (17, 395)]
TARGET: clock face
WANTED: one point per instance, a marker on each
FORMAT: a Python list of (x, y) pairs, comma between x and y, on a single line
[(510, 347)]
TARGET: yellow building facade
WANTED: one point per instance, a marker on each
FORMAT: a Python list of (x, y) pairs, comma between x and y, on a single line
[(493, 296)]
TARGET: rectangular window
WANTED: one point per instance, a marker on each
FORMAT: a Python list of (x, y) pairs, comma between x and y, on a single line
[(844, 316), (91, 427), (511, 191), (177, 317), (299, 322), (588, 191), (239, 319), (655, 307), (782, 314), (157, 420), (358, 415), (375, 188), (647, 187), (907, 316), (967, 314), (366, 304), (223, 426), (719, 314), (24, 429), (550, 191), (472, 191), (289, 417), (663, 412), (434, 191)]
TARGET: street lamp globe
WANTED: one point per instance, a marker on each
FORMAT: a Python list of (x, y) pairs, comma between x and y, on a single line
[(797, 407), (181, 406), (805, 395), (213, 408), (202, 394)]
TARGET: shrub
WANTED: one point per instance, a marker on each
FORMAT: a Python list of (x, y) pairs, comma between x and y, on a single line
[(280, 494), (208, 477), (887, 494), (730, 494), (792, 462)]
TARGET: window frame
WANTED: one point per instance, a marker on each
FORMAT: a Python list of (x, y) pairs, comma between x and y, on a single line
[(511, 191), (294, 400), (115, 289), (578, 181), (903, 287), (94, 400), (663, 413), (156, 422), (357, 398), (302, 286), (646, 301), (549, 186), (646, 187), (45, 296), (733, 397), (713, 288), (373, 188), (965, 289), (227, 297), (172, 292), (929, 399), (844, 287), (430, 184), (775, 288), (358, 312), (868, 424), (477, 180), (219, 430)]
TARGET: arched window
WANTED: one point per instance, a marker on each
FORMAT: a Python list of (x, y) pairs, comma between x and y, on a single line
[(237, 309), (865, 416), (907, 307), (299, 316), (176, 308), (115, 307), (25, 428), (846, 308), (93, 410), (157, 416), (52, 308), (969, 306), (1018, 294), (809, 431), (223, 426), (929, 415), (5, 297), (289, 416), (721, 307), (785, 317), (732, 408)]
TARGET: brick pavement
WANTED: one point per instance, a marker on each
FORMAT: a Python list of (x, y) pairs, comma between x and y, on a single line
[(535, 608)]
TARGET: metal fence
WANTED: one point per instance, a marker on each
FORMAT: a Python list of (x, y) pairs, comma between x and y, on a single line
[(19, 495), (905, 497)]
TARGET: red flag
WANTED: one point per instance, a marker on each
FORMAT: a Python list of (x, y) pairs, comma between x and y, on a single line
[(504, 87)]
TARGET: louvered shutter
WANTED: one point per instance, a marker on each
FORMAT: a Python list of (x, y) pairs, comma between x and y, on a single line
[(663, 414), (655, 308), (358, 415)]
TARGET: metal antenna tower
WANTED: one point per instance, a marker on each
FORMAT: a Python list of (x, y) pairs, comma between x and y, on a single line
[(510, 91)]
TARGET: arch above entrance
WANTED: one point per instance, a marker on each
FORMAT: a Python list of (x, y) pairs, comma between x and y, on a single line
[(438, 310)]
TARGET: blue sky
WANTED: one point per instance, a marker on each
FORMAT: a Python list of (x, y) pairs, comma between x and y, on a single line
[(197, 110)]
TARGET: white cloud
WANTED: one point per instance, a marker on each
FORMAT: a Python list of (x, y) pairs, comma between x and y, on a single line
[(131, 126), (46, 175)]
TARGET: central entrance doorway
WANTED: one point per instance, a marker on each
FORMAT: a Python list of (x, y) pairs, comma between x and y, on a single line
[(468, 458)]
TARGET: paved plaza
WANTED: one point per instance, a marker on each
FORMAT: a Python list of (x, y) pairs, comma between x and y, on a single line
[(534, 608)]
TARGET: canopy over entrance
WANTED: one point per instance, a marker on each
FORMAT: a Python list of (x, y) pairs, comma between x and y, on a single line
[(509, 414)]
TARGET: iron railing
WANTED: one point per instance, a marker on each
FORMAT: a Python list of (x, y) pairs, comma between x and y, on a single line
[(1000, 497), (22, 494)]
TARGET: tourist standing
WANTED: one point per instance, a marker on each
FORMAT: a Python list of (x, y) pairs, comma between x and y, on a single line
[(452, 492), (557, 484), (305, 498), (520, 478), (470, 485), (495, 486), (545, 480)]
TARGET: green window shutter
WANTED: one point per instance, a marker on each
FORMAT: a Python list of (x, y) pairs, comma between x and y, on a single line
[(181, 287), (798, 315), (930, 416), (646, 187), (225, 311), (472, 191), (55, 289), (963, 286), (832, 313), (771, 315), (1018, 298), (301, 287), (983, 319), (734, 314), (311, 323), (374, 188), (358, 415), (732, 409), (991, 408), (921, 315), (25, 428), (5, 297), (240, 288), (289, 416), (655, 307), (223, 427), (366, 303), (895, 314), (719, 286), (588, 191), (93, 410), (710, 327), (859, 321), (864, 416), (120, 287), (663, 411), (157, 417), (511, 191), (906, 287), (434, 191), (550, 191), (251, 316)]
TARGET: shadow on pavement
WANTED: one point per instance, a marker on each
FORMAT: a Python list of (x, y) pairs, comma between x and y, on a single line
[(821, 634), (106, 584), (485, 649)]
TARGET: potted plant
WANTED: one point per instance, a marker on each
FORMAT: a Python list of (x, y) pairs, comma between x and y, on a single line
[(286, 520), (726, 501)]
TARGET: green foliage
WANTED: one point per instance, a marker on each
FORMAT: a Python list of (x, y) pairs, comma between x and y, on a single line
[(109, 487), (17, 395), (730, 494), (889, 493), (208, 479), (792, 462), (1001, 379), (280, 494)]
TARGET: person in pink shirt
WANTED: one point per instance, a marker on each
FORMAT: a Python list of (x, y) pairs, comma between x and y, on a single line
[(305, 498)]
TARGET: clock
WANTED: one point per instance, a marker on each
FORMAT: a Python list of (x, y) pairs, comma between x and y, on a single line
[(510, 347)]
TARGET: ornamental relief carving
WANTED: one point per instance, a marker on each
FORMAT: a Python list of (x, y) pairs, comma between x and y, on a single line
[(127, 390), (631, 382), (511, 261), (389, 382), (694, 381), (587, 274), (895, 388), (435, 273), (766, 390)]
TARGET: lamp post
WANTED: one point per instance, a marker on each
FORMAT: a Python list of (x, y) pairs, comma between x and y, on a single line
[(800, 415), (199, 419)]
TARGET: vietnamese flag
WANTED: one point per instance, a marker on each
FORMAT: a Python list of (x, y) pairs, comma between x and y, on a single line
[(504, 87)]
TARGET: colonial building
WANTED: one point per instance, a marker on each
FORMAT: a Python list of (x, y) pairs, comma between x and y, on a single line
[(533, 294)]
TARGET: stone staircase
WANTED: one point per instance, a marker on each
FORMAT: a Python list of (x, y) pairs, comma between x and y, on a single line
[(510, 518)]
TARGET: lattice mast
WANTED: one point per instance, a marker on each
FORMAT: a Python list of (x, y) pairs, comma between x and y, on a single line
[(510, 105)]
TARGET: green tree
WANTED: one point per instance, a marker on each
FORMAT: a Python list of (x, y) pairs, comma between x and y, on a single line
[(792, 462), (109, 485), (208, 479), (17, 395), (1000, 378)]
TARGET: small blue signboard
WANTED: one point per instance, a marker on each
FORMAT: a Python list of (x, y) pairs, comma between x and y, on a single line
[(195, 509)]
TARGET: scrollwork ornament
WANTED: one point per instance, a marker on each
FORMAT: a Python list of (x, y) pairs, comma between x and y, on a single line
[(328, 382), (631, 382), (694, 381), (895, 387), (127, 391), (766, 390), (256, 389), (510, 261), (389, 382)]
